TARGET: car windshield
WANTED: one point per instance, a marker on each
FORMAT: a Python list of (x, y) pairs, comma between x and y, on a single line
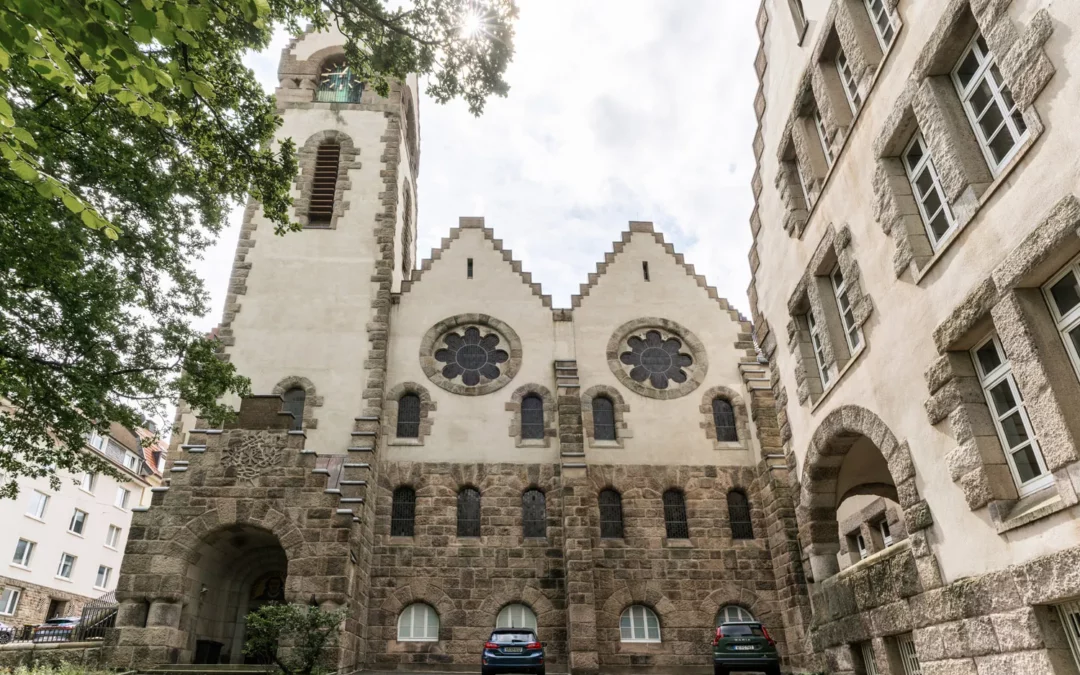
[(508, 638), (741, 629)]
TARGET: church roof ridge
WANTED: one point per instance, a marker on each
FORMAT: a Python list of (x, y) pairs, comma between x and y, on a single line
[(476, 223)]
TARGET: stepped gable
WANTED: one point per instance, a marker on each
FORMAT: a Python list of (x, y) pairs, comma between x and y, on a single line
[(475, 223)]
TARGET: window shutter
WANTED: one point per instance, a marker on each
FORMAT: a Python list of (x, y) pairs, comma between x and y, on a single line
[(324, 184)]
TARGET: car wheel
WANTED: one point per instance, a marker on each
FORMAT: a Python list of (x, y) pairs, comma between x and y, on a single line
[(719, 670), (773, 670), (541, 670), (487, 671), (5, 638)]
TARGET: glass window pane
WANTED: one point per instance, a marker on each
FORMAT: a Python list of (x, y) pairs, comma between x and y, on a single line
[(639, 622), (980, 100), (988, 356), (967, 69), (1002, 144), (1027, 467), (1074, 336), (914, 155), (1002, 396), (931, 201), (940, 224), (1066, 293), (924, 184), (1014, 430), (653, 626)]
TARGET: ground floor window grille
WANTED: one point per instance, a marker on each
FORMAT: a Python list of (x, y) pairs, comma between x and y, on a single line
[(908, 657), (869, 666), (1070, 618)]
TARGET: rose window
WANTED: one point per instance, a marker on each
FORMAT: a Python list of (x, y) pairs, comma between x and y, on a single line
[(470, 356), (656, 359)]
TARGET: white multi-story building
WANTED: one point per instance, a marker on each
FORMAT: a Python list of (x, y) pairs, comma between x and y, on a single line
[(61, 548)]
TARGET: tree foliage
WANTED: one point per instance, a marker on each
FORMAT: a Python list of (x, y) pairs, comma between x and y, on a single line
[(128, 129), (296, 638)]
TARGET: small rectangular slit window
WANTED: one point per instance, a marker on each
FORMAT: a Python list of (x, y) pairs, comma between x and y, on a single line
[(645, 269), (468, 268), (886, 533)]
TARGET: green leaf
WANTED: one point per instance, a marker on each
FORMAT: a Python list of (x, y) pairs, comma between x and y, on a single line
[(73, 203), (186, 37), (90, 219), (5, 59), (24, 136), (103, 84), (205, 90), (197, 18), (24, 170), (143, 16), (45, 188), (141, 108), (141, 35)]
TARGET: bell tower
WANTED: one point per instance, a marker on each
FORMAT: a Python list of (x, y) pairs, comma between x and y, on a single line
[(306, 313)]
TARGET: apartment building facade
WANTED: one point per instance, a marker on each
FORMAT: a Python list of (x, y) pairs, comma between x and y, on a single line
[(916, 288), (63, 548)]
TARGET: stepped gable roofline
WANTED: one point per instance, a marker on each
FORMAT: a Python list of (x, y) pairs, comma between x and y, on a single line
[(475, 223)]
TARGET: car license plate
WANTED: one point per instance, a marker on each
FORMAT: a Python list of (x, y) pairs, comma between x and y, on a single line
[(745, 648), (512, 650)]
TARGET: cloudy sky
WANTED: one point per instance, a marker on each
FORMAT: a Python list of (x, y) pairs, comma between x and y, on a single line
[(618, 110)]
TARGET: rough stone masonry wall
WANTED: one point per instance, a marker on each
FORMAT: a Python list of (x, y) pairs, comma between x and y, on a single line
[(34, 602)]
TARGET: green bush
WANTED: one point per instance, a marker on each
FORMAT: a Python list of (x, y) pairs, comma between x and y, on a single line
[(297, 638)]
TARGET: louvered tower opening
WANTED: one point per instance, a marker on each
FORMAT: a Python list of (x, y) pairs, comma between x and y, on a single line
[(324, 185)]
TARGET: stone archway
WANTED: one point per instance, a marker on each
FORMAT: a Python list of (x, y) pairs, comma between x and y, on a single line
[(852, 452)]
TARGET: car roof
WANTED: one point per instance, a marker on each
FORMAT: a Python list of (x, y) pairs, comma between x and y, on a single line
[(740, 623), (513, 630)]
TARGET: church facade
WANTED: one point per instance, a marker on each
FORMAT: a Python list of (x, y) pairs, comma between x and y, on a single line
[(437, 449)]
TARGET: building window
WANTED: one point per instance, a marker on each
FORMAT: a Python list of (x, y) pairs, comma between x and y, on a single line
[(38, 502), (823, 135), (1070, 619), (337, 84), (866, 650), (24, 551), (884, 22), (603, 411), (819, 348), (532, 417), (675, 515), (843, 303), (103, 576), (724, 420), (1063, 294), (403, 512), (908, 657), (733, 614), (1010, 417), (847, 78), (131, 461), (408, 416), (418, 623), (886, 533), (798, 17), (860, 542), (293, 403), (739, 515), (67, 566), (78, 522), (122, 497), (9, 601), (611, 523), (88, 482), (926, 186), (324, 184), (112, 537), (516, 616), (96, 441), (989, 104), (639, 624), (406, 233), (533, 514), (468, 513)]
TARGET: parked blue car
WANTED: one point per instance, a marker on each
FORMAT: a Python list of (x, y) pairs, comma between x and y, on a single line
[(512, 650)]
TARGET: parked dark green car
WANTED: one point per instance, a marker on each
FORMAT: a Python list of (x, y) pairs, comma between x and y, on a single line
[(744, 646)]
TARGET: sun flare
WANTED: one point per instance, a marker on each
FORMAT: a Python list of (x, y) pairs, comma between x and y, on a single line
[(471, 24)]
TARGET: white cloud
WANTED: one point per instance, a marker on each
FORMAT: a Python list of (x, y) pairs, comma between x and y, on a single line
[(618, 110)]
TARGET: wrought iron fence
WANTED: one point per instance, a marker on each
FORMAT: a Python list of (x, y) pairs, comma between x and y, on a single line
[(97, 617)]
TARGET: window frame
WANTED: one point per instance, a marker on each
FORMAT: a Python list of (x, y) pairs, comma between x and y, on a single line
[(88, 483), (889, 15), (403, 427), (866, 651), (611, 522), (425, 623), (325, 183), (614, 434), (1069, 612), (886, 532), (526, 614), (823, 136), (468, 527), (108, 577), (742, 529), (402, 512), (909, 657), (39, 513), (818, 347), (76, 521), (645, 612), (11, 605), (131, 461), (535, 427), (987, 65), (852, 333), (71, 567), (676, 515), (741, 614), (847, 82), (731, 431), (115, 539), (1002, 373), (926, 163), (119, 503), (533, 528), (1070, 321), (860, 543), (28, 553)]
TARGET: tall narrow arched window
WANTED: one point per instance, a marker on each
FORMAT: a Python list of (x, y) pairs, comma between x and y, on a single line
[(724, 418), (408, 416), (533, 514), (337, 84), (516, 616), (294, 403), (406, 233), (675, 515), (739, 514), (532, 417), (733, 614), (403, 512), (611, 524), (324, 184), (603, 414), (468, 513)]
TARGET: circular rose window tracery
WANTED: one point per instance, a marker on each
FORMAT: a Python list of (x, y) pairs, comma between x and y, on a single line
[(657, 358), (470, 354)]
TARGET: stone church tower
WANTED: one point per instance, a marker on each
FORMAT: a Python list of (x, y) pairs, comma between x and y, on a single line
[(440, 451)]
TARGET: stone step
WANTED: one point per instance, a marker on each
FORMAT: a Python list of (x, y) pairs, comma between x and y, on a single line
[(356, 465), (360, 448), (574, 465), (353, 482), (367, 434), (351, 500), (193, 447)]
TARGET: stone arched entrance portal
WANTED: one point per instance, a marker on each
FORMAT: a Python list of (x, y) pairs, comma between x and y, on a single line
[(238, 569)]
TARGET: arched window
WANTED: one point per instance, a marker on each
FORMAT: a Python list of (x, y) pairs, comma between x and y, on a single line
[(611, 525), (675, 515), (324, 184), (337, 84), (733, 614), (406, 234), (739, 514), (418, 623), (639, 624), (516, 616), (532, 417), (603, 414), (724, 418), (408, 416), (403, 512), (468, 513), (533, 514), (294, 403)]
